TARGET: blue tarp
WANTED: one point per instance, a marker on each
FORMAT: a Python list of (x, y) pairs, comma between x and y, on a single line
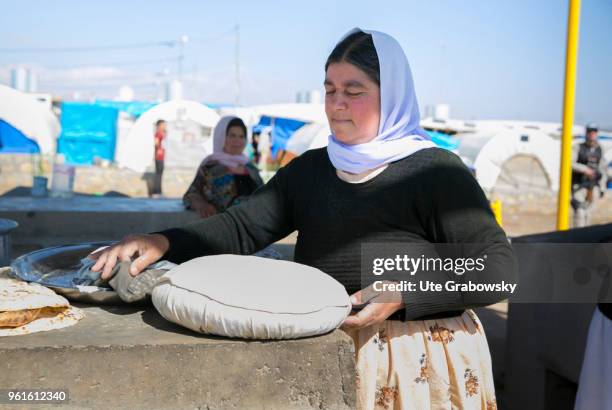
[(214, 106), (443, 140), (264, 122), (282, 130), (134, 108), (14, 141), (88, 131)]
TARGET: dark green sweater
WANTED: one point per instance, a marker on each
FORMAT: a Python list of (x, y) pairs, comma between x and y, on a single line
[(427, 197)]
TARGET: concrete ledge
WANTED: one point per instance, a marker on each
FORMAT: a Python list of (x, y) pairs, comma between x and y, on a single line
[(47, 222), (128, 358)]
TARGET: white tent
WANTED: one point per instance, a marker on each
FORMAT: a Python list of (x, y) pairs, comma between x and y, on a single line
[(306, 112), (489, 153), (295, 111), (246, 114), (310, 136), (553, 129), (492, 126), (31, 117), (136, 150)]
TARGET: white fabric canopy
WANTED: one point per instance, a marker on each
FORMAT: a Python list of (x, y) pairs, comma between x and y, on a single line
[(310, 136), (136, 150), (295, 111), (30, 117), (488, 152)]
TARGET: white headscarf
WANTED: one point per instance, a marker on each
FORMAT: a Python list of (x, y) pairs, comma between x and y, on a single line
[(399, 134), (218, 154)]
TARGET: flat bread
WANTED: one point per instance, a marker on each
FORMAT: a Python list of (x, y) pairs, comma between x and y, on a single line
[(16, 295), (28, 308), (16, 318), (68, 317)]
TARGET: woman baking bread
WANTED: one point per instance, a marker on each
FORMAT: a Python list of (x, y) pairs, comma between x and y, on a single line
[(380, 179)]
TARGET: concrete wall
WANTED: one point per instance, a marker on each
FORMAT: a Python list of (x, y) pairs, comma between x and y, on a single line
[(130, 358), (127, 358), (16, 171)]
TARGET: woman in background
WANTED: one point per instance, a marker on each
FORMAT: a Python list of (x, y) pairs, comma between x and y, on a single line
[(226, 177)]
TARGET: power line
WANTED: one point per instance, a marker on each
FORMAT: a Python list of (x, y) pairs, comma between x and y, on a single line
[(113, 64), (169, 43), (80, 49), (237, 32), (97, 85)]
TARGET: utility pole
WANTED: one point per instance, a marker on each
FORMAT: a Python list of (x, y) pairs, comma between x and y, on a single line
[(182, 41), (237, 101)]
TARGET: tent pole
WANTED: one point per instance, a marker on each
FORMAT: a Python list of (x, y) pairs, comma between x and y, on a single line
[(571, 55)]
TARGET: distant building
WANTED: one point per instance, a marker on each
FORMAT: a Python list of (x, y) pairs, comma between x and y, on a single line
[(308, 97), (173, 91), (24, 79), (437, 111)]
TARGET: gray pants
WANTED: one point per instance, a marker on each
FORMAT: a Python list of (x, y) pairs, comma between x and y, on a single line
[(582, 203)]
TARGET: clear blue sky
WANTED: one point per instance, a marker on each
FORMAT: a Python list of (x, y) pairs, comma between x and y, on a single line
[(488, 60)]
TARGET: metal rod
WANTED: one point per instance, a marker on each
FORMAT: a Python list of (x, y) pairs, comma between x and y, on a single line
[(569, 97)]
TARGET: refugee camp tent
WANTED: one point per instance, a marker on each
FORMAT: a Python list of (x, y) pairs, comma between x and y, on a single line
[(448, 126), (454, 126), (132, 108), (247, 114), (553, 129), (190, 125), (295, 111), (26, 125), (13, 141), (283, 120), (280, 130), (444, 140), (88, 131), (519, 159), (129, 112), (316, 135), (310, 136)]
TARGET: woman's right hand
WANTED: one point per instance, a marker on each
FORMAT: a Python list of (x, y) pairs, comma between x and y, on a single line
[(149, 248)]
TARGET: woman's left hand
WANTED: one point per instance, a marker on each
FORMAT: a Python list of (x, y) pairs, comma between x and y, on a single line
[(374, 312)]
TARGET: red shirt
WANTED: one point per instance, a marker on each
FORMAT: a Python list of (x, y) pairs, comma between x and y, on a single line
[(160, 152)]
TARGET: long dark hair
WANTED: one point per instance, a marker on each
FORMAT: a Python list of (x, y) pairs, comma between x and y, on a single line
[(357, 49), (236, 122)]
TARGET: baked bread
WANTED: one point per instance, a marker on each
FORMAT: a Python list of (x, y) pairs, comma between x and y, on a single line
[(29, 307)]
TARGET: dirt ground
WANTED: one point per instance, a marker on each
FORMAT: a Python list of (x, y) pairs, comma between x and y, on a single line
[(537, 215)]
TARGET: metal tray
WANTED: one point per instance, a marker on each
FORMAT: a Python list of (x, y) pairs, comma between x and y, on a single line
[(56, 268)]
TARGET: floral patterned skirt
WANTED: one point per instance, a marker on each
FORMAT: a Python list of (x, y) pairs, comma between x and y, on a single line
[(424, 364)]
